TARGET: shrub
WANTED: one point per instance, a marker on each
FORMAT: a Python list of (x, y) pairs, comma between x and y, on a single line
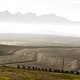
[(29, 67), (23, 67), (18, 66)]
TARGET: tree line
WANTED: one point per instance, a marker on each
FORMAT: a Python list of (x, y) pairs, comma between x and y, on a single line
[(48, 69)]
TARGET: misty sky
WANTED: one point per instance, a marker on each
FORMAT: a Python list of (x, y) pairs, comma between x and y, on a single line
[(69, 9), (66, 8)]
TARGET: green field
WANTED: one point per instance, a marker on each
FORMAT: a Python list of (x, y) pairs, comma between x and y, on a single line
[(7, 73)]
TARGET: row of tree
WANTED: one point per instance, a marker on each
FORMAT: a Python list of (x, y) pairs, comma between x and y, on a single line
[(49, 70)]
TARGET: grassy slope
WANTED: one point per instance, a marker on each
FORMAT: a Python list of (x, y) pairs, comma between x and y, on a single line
[(21, 74)]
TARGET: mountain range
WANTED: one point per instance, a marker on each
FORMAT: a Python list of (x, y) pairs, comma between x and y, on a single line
[(29, 17)]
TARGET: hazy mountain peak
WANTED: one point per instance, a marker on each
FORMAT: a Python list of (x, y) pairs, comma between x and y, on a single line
[(31, 17)]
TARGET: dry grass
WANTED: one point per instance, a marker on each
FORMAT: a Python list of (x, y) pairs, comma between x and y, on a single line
[(7, 73)]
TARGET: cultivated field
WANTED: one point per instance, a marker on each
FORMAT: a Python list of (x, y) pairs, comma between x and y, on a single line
[(51, 56)]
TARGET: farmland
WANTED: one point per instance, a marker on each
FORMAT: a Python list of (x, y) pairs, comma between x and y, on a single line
[(51, 56)]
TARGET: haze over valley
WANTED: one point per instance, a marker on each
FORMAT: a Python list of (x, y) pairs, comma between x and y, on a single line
[(39, 40)]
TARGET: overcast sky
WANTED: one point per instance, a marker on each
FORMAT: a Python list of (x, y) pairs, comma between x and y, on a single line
[(69, 9)]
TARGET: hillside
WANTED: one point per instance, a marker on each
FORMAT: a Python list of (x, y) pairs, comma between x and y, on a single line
[(7, 73), (38, 40), (47, 56)]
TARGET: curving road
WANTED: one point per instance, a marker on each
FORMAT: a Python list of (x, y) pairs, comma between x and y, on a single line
[(13, 52)]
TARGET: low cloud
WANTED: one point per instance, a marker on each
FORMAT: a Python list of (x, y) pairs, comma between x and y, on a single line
[(31, 18)]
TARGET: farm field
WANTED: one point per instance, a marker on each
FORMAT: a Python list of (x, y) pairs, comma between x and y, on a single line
[(47, 56)]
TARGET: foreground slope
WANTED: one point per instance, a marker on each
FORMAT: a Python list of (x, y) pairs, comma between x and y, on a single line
[(7, 73)]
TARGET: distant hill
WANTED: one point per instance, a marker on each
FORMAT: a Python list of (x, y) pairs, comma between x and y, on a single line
[(38, 40)]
